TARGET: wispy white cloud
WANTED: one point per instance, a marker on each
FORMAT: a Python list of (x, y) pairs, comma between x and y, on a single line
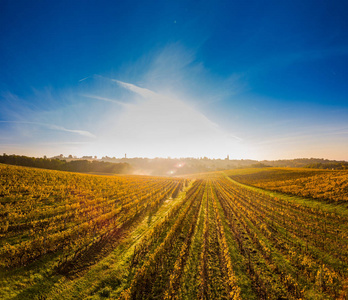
[(83, 79), (54, 127), (80, 132), (107, 100), (146, 93)]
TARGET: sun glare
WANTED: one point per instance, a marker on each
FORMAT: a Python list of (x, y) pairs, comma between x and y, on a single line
[(161, 125)]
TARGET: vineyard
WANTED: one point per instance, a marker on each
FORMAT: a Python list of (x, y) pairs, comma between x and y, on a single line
[(75, 236), (319, 184)]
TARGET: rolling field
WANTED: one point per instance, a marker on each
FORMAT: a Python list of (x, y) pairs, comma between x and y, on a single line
[(319, 184), (208, 236)]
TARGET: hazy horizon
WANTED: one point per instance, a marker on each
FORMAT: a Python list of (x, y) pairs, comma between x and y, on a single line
[(261, 81), (95, 157)]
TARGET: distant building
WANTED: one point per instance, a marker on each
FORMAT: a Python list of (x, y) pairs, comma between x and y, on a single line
[(227, 158)]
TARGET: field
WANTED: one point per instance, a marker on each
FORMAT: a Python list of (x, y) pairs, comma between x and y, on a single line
[(320, 184), (219, 235)]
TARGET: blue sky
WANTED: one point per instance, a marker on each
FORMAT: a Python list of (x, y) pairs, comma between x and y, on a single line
[(252, 79)]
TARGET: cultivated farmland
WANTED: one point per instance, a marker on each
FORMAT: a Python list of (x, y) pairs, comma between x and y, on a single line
[(75, 236), (320, 184)]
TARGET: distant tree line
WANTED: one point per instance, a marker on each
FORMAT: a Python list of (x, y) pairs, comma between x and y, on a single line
[(315, 163), (259, 165), (62, 165), (331, 166)]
